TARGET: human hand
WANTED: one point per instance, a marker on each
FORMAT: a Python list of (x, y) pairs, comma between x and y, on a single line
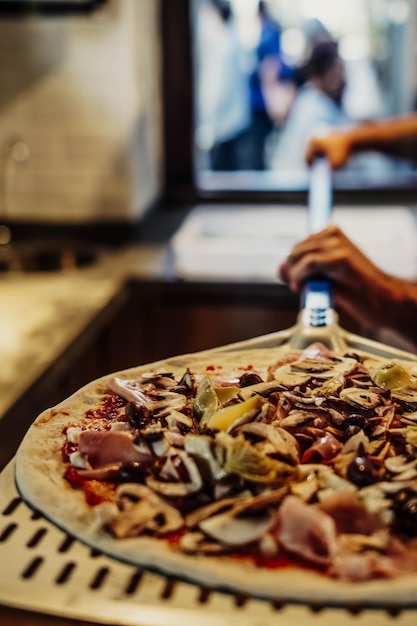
[(360, 288), (334, 145)]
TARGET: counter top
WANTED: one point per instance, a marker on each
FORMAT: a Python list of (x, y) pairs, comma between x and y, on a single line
[(43, 313)]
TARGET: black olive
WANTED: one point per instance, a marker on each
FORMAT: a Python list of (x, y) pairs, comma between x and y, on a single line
[(354, 423), (137, 415), (132, 472), (361, 471), (405, 509), (249, 378)]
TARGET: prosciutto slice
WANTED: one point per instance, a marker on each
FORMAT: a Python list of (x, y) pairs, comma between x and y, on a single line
[(323, 450), (306, 531), (349, 513), (104, 448)]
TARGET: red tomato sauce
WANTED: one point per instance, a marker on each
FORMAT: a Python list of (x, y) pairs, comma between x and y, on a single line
[(95, 491), (109, 409)]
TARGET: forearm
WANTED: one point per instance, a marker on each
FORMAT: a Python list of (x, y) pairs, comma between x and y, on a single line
[(398, 309), (396, 136)]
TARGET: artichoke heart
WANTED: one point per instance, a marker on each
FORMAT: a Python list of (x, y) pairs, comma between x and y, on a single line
[(205, 402), (391, 375), (227, 394), (243, 459)]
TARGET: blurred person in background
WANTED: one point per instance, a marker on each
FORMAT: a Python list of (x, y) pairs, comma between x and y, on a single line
[(317, 105), (272, 89), (384, 306), (223, 113)]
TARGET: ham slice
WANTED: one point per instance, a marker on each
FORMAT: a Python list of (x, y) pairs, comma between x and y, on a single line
[(323, 450), (104, 448), (349, 513), (307, 532)]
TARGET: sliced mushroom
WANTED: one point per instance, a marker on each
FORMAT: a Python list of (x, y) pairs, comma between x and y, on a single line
[(356, 441), (406, 396), (179, 488), (362, 398), (297, 417), (239, 521), (302, 400), (400, 463), (239, 505), (361, 380), (237, 530), (325, 368), (199, 543), (330, 387), (411, 416), (402, 468), (144, 393), (160, 380), (289, 379), (143, 511), (262, 389), (178, 421), (273, 441)]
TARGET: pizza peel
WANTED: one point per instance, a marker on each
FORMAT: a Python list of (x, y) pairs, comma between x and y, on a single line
[(317, 320)]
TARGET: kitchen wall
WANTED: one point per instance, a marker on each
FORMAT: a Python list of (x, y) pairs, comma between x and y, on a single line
[(80, 115)]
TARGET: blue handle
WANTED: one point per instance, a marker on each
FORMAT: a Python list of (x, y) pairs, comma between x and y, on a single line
[(317, 301), (317, 294)]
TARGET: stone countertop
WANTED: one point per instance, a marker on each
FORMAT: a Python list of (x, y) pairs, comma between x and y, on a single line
[(41, 314)]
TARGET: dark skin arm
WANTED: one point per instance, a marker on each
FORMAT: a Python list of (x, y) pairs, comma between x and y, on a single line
[(373, 298), (395, 136)]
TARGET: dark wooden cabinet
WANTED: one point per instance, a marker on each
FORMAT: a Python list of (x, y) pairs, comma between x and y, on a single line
[(165, 318)]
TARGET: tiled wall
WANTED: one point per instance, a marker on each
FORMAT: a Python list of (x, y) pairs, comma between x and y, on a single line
[(80, 115)]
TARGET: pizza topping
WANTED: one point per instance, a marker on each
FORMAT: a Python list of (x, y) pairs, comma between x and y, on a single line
[(241, 458), (314, 458), (362, 471), (237, 521), (192, 484), (289, 379), (306, 531), (249, 378), (203, 450), (148, 393), (240, 529), (141, 510), (273, 441), (406, 396), (361, 398), (391, 375), (206, 402), (107, 447), (226, 417), (198, 543), (323, 450), (138, 415)]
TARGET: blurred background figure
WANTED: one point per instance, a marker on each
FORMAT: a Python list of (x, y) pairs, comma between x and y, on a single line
[(271, 88), (317, 106), (223, 113)]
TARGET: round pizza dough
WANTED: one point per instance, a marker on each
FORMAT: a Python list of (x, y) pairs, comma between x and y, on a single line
[(39, 473)]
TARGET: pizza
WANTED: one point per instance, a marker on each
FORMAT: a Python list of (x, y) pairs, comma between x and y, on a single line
[(277, 473)]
